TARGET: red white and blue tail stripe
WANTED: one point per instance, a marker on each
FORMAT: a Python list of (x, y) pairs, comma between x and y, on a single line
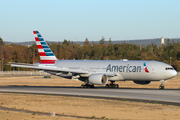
[(45, 53)]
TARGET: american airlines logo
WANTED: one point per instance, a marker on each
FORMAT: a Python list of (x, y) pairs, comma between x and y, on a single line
[(127, 68), (145, 68)]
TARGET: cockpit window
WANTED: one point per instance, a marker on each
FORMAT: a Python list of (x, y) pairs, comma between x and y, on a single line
[(169, 68)]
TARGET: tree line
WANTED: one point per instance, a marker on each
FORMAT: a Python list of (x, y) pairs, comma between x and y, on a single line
[(105, 50)]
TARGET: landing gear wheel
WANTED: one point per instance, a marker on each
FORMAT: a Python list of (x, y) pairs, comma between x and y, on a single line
[(87, 86), (117, 86), (107, 86), (82, 86), (112, 85), (91, 86), (161, 87)]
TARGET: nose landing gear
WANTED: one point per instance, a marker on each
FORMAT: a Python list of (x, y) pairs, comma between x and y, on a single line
[(162, 84), (161, 87), (112, 85)]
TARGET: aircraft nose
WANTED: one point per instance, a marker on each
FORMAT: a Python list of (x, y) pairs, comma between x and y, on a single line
[(174, 73)]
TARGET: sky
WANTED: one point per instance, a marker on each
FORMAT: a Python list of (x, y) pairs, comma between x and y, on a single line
[(75, 20)]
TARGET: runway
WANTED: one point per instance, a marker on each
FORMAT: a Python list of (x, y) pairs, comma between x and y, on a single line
[(169, 96)]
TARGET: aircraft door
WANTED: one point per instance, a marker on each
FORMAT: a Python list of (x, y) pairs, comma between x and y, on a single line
[(153, 70)]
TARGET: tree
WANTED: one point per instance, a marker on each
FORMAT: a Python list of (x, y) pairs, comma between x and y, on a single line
[(1, 41), (86, 42), (102, 41), (65, 42), (109, 42)]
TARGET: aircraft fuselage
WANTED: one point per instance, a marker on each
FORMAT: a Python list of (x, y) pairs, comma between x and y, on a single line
[(125, 70)]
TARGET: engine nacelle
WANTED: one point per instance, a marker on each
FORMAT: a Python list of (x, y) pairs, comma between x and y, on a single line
[(98, 79), (142, 82)]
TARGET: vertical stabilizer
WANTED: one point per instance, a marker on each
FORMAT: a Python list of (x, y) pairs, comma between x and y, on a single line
[(45, 53)]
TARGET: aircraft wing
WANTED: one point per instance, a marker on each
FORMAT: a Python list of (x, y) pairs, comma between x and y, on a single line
[(48, 68), (54, 69)]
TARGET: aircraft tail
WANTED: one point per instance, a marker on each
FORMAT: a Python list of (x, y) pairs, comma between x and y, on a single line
[(45, 53)]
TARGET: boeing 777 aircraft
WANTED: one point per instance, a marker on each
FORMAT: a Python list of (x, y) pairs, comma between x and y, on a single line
[(99, 72)]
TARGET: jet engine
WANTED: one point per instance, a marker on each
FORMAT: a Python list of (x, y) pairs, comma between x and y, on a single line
[(142, 82), (98, 79)]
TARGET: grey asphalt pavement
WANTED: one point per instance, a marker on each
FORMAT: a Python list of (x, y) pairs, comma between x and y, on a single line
[(166, 95)]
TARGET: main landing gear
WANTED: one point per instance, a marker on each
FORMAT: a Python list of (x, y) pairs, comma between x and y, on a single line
[(87, 85), (112, 85), (162, 84), (161, 87)]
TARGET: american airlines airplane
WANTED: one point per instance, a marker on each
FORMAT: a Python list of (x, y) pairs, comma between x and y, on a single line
[(99, 72)]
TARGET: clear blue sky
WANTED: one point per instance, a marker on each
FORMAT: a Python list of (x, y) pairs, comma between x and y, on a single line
[(75, 20)]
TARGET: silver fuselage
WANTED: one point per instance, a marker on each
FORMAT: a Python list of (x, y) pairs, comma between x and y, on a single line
[(124, 69)]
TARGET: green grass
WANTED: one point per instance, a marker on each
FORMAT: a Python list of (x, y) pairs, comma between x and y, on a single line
[(93, 117), (121, 99), (103, 117), (33, 113)]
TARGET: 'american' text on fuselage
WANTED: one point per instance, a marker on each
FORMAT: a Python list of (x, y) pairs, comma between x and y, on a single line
[(127, 68)]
